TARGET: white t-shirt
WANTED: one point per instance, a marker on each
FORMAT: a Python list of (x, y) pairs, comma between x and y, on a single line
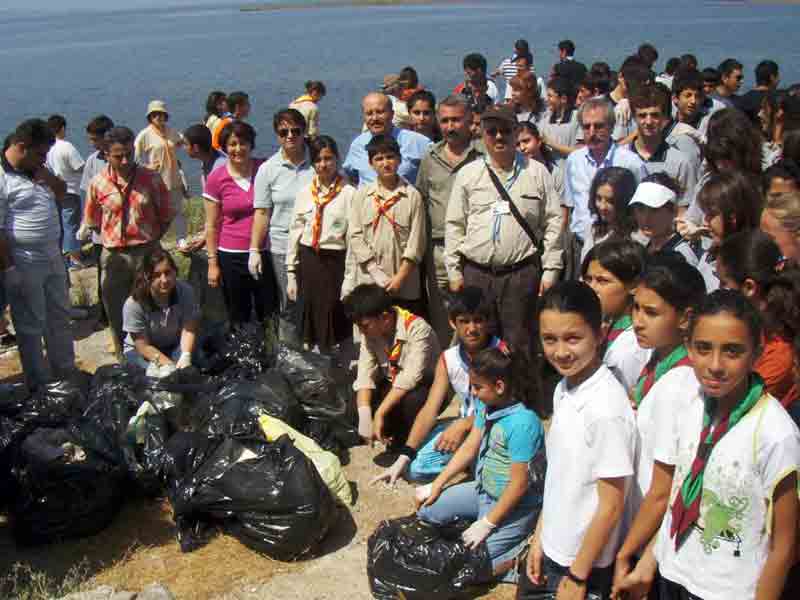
[(65, 162), (724, 552), (456, 363), (625, 358), (591, 437)]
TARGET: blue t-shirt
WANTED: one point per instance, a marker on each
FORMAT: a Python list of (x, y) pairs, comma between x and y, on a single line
[(515, 435)]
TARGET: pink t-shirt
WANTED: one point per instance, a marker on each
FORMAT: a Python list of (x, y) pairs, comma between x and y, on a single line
[(236, 206)]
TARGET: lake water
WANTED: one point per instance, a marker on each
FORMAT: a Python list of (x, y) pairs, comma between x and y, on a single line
[(84, 63)]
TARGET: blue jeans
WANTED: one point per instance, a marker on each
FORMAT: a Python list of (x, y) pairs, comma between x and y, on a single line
[(467, 502), (70, 222), (430, 461)]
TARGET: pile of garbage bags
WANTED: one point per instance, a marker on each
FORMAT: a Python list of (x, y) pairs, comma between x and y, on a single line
[(250, 446), (409, 558)]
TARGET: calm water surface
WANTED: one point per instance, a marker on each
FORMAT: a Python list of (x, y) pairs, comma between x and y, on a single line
[(84, 63)]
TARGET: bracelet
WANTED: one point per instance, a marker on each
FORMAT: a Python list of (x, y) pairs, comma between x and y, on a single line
[(409, 452), (574, 578)]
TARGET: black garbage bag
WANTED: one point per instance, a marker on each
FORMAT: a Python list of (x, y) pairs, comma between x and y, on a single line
[(267, 494), (236, 407), (324, 390), (423, 561), (241, 354), (69, 483)]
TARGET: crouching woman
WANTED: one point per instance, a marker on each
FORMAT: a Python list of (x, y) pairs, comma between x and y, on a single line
[(161, 317), (507, 443)]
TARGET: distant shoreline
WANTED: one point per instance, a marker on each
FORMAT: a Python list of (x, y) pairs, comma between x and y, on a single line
[(264, 6)]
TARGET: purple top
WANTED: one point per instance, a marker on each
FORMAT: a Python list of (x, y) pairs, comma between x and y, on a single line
[(236, 206)]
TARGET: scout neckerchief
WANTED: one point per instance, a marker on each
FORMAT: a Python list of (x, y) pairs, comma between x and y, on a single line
[(382, 208), (124, 195), (396, 350), (498, 212), (686, 508), (616, 329), (654, 369), (320, 203)]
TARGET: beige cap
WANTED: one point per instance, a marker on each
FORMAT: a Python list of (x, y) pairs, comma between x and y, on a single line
[(157, 106)]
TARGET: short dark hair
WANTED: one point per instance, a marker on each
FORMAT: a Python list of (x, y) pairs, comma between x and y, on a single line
[(320, 143), (367, 300), (648, 53), (785, 168), (33, 132), (672, 65), (765, 71), (601, 68), (676, 281), (732, 137), (567, 46), (728, 66), (382, 144), (635, 73), (689, 61), (493, 363), (750, 255), (214, 98), (141, 283), (734, 303), (421, 95), (56, 123), (198, 135), (710, 76), (687, 79), (469, 301), (623, 258), (475, 61), (562, 87), (289, 114), (574, 297), (236, 99), (651, 95), (408, 75), (734, 197), (597, 83), (242, 130), (119, 135), (99, 125), (317, 86), (522, 46)]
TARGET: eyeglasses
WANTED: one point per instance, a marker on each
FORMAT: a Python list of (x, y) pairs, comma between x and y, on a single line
[(295, 131), (493, 131)]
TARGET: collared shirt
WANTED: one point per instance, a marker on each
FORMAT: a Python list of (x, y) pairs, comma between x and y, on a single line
[(335, 215), (419, 354), (435, 182), (686, 139), (387, 239), (481, 228), (412, 148), (29, 215), (65, 162), (565, 131), (581, 169), (95, 164), (277, 182), (668, 159), (148, 208)]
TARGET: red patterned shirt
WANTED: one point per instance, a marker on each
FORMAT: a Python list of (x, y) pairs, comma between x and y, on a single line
[(148, 213)]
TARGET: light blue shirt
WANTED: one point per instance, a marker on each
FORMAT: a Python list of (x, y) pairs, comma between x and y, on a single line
[(412, 148), (277, 183), (580, 171)]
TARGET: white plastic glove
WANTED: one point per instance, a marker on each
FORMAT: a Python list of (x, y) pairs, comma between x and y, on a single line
[(365, 422), (12, 277), (477, 532), (254, 264), (185, 360), (378, 276), (393, 473), (423, 492), (291, 287), (84, 233)]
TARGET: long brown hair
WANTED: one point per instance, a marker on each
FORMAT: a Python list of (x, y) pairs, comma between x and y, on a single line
[(141, 284)]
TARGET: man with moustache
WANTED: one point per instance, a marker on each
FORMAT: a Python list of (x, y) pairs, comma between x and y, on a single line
[(378, 114), (437, 172), (511, 253), (596, 117)]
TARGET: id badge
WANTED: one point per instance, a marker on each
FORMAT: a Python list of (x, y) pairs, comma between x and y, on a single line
[(501, 207)]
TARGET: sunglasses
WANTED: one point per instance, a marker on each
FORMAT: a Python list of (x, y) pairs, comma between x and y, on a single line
[(295, 131), (493, 131)]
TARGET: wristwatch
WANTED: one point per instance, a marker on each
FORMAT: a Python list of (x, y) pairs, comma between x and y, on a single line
[(574, 578)]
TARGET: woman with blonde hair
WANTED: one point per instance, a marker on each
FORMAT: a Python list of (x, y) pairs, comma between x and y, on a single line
[(780, 220), (525, 97)]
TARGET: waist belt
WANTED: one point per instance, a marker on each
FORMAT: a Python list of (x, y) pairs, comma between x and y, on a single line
[(503, 269), (437, 241)]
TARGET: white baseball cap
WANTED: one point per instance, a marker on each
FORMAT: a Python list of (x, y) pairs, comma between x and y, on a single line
[(653, 195)]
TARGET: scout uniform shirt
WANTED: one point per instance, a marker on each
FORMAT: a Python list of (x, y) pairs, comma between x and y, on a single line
[(414, 353), (387, 227), (480, 227)]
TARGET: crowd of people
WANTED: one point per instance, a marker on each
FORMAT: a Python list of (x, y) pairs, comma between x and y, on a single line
[(615, 250)]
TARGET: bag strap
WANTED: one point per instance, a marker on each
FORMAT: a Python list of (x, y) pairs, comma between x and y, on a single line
[(526, 227)]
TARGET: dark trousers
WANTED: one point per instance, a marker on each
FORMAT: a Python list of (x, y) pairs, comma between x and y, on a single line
[(400, 419), (97, 250), (243, 293), (599, 583), (668, 590)]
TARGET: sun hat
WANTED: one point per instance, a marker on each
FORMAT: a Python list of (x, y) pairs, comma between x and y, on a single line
[(653, 195), (157, 106)]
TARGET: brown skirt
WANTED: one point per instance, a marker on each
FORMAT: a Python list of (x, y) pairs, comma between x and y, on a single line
[(320, 284)]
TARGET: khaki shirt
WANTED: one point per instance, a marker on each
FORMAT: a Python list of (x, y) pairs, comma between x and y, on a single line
[(435, 182), (479, 227), (418, 357), (387, 244)]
